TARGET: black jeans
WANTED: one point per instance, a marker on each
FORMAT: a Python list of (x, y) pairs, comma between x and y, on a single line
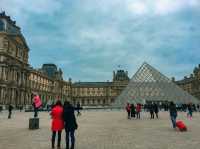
[(70, 133), (138, 115), (9, 114), (156, 114), (129, 114), (54, 137), (35, 112), (152, 115), (78, 112)]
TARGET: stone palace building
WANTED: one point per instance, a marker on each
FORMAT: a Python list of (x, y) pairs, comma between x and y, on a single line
[(191, 83)]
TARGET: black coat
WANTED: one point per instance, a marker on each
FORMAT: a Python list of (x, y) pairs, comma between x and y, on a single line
[(151, 108), (172, 110), (10, 108), (155, 106), (69, 118)]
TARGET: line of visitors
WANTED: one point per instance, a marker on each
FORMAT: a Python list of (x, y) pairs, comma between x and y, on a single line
[(63, 117), (153, 108), (133, 111)]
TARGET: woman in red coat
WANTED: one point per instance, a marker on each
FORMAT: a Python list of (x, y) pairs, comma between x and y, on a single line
[(57, 123), (138, 110)]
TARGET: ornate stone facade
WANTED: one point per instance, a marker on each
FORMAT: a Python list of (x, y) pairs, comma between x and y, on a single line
[(99, 93), (13, 63), (191, 84), (49, 88), (17, 79)]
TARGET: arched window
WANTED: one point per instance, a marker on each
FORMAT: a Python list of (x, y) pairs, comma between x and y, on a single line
[(2, 26)]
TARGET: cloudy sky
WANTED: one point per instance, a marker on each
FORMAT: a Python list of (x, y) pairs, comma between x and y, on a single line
[(88, 39)]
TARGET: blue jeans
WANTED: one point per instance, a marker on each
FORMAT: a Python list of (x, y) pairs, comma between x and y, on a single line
[(190, 113), (173, 118), (70, 133)]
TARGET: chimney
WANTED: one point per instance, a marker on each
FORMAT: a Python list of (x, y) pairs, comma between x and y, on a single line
[(127, 73), (113, 75)]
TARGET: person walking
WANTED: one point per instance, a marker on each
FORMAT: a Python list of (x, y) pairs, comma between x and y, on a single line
[(156, 110), (189, 114), (78, 106), (173, 113), (151, 110), (10, 108), (21, 108), (138, 110), (128, 110), (198, 108), (70, 124), (57, 123)]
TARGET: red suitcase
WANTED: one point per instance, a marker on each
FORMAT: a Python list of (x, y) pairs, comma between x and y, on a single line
[(181, 125)]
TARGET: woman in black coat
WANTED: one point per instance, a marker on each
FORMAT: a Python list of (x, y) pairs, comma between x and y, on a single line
[(151, 110), (155, 106), (70, 124)]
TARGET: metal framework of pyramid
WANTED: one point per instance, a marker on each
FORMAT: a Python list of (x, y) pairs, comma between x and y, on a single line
[(148, 84)]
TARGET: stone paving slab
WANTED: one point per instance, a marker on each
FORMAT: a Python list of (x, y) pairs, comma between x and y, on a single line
[(102, 130)]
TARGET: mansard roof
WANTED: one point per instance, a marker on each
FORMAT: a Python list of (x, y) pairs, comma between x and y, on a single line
[(185, 80), (91, 84), (3, 15)]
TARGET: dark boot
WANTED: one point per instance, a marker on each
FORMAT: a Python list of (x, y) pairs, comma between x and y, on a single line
[(72, 147), (52, 145), (53, 141)]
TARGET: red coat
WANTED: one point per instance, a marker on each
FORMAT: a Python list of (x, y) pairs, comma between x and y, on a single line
[(138, 108), (57, 118), (128, 108)]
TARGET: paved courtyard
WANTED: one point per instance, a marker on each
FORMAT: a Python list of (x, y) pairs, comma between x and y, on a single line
[(102, 130)]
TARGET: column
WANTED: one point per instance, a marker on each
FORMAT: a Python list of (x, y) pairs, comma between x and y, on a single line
[(3, 95), (1, 73), (1, 99), (13, 96)]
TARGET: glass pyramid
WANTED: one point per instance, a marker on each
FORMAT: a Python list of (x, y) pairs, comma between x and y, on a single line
[(148, 84)]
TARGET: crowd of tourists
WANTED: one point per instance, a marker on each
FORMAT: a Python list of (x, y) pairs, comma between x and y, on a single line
[(133, 111)]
